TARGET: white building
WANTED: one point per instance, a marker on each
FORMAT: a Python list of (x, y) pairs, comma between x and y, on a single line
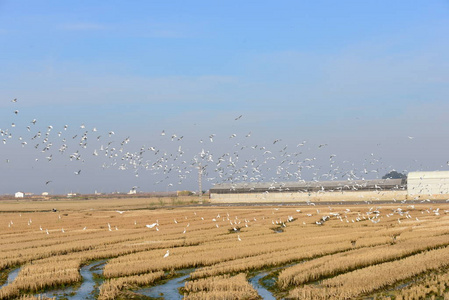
[(19, 195), (428, 183)]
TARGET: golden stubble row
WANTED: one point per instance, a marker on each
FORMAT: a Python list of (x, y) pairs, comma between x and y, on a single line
[(300, 248), (285, 256), (139, 250), (211, 250), (367, 280), (59, 270), (331, 265), (111, 288), (430, 286), (110, 244), (213, 243), (131, 241), (40, 245), (229, 249), (93, 204), (37, 277), (220, 287)]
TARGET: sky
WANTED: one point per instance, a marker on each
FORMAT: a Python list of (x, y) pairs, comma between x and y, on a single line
[(365, 84)]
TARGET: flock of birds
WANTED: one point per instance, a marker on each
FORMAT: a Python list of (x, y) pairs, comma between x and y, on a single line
[(245, 162), (236, 158)]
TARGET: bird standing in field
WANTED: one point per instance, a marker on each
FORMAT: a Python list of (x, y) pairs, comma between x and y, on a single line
[(167, 254)]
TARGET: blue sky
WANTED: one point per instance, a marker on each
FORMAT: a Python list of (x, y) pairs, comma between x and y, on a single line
[(359, 76)]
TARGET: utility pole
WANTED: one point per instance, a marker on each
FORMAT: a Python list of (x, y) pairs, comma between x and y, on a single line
[(200, 183)]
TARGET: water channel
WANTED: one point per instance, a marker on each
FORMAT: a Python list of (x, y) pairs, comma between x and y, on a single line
[(261, 290), (168, 290), (89, 288), (11, 276)]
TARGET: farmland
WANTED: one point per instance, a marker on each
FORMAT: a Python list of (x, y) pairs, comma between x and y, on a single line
[(342, 251)]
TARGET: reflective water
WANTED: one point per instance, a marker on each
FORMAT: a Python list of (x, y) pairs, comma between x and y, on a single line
[(89, 288), (11, 276), (261, 290), (168, 290)]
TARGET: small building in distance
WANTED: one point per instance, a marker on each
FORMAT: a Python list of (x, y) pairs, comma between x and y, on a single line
[(45, 194), (19, 195), (432, 184)]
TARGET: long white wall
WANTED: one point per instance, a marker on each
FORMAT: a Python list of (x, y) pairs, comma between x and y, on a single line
[(420, 185), (312, 197)]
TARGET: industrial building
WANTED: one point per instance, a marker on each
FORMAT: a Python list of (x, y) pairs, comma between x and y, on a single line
[(309, 186), (308, 191), (428, 183), (417, 185)]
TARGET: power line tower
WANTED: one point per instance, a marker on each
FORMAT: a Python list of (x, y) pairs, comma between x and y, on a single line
[(200, 182)]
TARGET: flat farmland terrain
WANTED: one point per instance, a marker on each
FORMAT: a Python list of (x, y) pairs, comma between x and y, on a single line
[(383, 251)]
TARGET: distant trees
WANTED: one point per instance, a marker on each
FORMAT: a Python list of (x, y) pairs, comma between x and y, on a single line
[(185, 193), (394, 175)]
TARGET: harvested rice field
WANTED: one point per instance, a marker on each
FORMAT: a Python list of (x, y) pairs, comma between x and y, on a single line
[(369, 251)]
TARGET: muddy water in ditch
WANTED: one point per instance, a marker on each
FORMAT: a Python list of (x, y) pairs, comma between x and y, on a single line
[(11, 276), (168, 290), (89, 288)]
